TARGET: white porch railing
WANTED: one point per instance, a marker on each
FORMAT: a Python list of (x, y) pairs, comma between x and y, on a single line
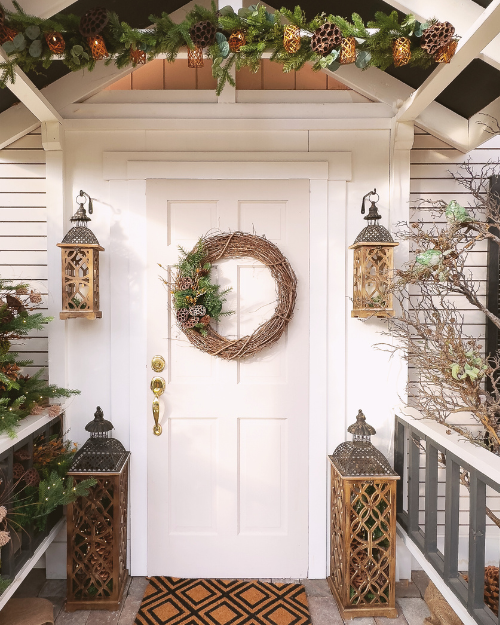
[(447, 490)]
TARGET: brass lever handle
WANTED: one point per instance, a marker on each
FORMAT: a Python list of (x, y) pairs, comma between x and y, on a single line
[(157, 386)]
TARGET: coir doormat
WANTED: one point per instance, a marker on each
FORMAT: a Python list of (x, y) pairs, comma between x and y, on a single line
[(174, 601)]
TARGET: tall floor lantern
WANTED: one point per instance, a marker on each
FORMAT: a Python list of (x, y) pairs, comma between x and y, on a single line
[(373, 266), (363, 527), (80, 266)]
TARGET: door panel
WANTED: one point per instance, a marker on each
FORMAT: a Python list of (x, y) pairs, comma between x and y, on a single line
[(227, 479)]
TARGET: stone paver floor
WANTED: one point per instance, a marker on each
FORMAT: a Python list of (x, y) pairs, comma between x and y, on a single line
[(412, 609)]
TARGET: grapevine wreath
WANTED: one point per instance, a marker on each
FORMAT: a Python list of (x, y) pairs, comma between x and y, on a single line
[(197, 301)]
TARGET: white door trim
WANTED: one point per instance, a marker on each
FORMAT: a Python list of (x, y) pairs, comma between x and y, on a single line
[(327, 205)]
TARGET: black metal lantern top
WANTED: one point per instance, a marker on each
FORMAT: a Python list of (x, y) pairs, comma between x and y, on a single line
[(359, 457), (81, 233), (101, 453), (373, 233)]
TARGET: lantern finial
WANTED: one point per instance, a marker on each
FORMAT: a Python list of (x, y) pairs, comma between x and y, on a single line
[(99, 425), (361, 430)]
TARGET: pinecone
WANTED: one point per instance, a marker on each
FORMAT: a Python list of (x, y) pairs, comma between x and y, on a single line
[(17, 471), (93, 22), (491, 588), (205, 320), (182, 315), (203, 34), (437, 36), (21, 290), (4, 538), (190, 323), (3, 513), (32, 477), (185, 284), (35, 297), (11, 371), (197, 311), (326, 38)]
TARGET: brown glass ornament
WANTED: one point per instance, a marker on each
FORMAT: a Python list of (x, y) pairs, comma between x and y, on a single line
[(437, 36), (447, 52), (195, 57), (326, 38), (401, 52), (56, 42), (94, 21), (203, 34), (347, 51), (237, 40), (138, 57), (291, 39), (97, 47)]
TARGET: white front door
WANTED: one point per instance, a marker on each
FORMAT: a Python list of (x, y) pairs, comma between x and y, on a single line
[(228, 478)]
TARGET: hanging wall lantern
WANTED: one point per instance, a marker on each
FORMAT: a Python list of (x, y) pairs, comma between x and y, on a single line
[(373, 267), (363, 527), (97, 523), (80, 267)]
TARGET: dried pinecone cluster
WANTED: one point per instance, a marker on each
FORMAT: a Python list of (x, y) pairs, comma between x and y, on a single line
[(436, 36), (203, 34), (326, 38), (189, 317)]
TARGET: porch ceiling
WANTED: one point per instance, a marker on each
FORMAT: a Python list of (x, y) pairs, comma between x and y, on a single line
[(474, 89)]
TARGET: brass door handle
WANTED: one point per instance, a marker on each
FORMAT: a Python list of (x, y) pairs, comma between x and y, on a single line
[(157, 386)]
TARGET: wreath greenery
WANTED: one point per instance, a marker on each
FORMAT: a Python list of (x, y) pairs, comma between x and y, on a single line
[(26, 40), (197, 300)]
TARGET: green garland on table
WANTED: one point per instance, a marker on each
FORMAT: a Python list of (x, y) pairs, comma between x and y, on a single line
[(263, 31)]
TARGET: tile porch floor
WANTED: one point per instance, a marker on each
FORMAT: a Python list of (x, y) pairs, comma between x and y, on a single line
[(411, 606)]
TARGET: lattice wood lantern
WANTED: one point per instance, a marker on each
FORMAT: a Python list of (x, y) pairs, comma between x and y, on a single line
[(373, 267), (80, 268), (97, 524), (363, 527)]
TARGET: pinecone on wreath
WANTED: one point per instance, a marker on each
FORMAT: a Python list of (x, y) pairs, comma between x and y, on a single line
[(205, 320), (182, 315), (326, 38), (203, 34), (436, 36), (185, 284), (190, 323), (197, 311)]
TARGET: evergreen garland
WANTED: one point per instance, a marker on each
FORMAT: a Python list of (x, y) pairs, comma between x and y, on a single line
[(263, 32), (20, 394)]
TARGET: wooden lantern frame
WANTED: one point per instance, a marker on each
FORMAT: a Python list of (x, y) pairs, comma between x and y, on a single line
[(373, 267), (362, 527), (80, 267), (97, 542)]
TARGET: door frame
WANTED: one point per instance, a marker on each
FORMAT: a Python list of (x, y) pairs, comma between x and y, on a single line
[(328, 174)]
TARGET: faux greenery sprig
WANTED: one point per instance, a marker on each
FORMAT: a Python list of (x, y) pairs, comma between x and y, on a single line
[(192, 286), (263, 33)]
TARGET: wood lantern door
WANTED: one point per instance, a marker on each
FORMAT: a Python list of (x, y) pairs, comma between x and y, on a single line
[(228, 477)]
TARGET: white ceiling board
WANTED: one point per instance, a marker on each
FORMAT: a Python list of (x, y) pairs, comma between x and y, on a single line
[(40, 8)]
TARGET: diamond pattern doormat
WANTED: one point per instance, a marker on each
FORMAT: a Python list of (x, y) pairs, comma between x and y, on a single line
[(174, 601)]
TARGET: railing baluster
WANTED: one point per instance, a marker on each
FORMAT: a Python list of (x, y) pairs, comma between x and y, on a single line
[(477, 531), (399, 462), (413, 481), (451, 516), (431, 494)]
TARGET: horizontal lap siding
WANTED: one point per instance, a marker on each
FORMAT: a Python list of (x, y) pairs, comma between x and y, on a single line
[(431, 164), (23, 230)]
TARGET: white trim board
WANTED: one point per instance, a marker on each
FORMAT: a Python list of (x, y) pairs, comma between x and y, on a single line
[(135, 223), (144, 165)]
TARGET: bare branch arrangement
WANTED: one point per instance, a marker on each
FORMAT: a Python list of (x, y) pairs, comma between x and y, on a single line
[(453, 376)]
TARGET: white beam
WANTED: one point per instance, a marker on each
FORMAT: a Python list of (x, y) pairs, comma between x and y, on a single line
[(43, 9), (461, 14), (484, 29), (30, 96)]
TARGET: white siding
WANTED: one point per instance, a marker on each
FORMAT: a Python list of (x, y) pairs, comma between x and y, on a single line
[(23, 229)]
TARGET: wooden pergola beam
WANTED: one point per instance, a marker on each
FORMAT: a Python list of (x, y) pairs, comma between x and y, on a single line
[(480, 34)]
